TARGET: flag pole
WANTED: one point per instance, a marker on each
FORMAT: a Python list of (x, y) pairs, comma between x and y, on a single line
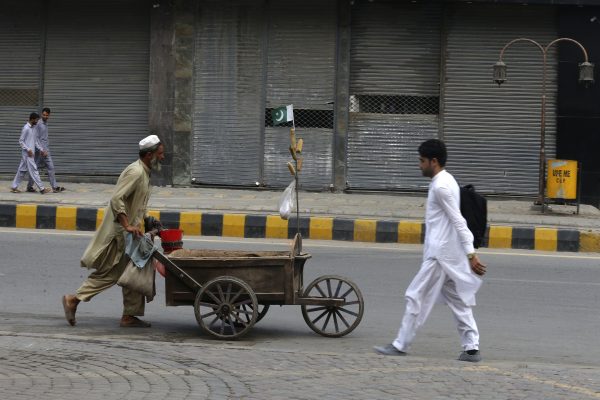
[(296, 179)]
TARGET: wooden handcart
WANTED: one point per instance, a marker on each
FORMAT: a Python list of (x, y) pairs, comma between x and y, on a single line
[(232, 290)]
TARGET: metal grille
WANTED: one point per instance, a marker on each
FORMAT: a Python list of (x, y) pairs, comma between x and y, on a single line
[(21, 26), (18, 97), (394, 91), (228, 80), (379, 104), (301, 71), (305, 119), (100, 75), (493, 133)]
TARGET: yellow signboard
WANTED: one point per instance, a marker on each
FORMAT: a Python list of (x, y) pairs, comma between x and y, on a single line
[(562, 179)]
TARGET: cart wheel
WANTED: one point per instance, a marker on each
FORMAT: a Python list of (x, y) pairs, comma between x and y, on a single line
[(262, 311), (226, 307), (333, 321)]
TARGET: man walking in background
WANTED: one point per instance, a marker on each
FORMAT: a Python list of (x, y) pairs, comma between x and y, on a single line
[(43, 159), (450, 266), (29, 144)]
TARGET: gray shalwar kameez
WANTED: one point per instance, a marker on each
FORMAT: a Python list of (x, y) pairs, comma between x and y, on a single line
[(28, 142), (40, 160)]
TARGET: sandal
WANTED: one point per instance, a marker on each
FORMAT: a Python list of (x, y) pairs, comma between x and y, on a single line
[(15, 190), (133, 322), (69, 311)]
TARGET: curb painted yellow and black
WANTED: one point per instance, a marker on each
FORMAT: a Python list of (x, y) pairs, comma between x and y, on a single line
[(323, 228)]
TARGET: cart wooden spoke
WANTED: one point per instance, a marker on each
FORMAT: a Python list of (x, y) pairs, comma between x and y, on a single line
[(342, 308), (225, 307)]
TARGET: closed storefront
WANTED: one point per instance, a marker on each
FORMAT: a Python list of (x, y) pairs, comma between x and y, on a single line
[(96, 83), (394, 92), (493, 133), (252, 57), (21, 33), (406, 70), (228, 93)]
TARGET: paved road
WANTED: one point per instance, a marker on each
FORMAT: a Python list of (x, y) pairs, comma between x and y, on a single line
[(536, 313)]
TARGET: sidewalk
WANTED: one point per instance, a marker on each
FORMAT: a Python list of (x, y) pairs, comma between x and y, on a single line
[(377, 217)]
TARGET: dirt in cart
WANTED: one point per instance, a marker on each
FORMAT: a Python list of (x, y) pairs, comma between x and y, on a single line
[(210, 253)]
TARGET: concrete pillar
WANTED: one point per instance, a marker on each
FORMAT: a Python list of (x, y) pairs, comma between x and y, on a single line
[(342, 95), (185, 10), (171, 61), (161, 83)]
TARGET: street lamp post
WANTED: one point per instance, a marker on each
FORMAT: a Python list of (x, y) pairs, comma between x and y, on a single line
[(586, 76)]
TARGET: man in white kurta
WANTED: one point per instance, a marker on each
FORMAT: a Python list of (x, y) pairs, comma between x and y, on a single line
[(450, 266)]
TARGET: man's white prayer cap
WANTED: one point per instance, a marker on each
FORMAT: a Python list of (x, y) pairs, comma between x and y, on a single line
[(149, 141)]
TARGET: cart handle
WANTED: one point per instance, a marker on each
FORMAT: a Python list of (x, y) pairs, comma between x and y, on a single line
[(175, 270)]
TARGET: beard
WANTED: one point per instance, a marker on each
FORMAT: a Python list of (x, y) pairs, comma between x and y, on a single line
[(155, 164)]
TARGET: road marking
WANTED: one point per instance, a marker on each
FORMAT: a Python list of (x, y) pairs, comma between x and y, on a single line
[(538, 281)]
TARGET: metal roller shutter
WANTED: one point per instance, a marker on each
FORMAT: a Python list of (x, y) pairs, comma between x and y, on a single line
[(394, 91), (20, 62), (228, 105), (301, 71), (96, 83), (493, 133)]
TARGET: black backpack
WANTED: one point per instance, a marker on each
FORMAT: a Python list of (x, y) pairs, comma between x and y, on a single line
[(473, 208)]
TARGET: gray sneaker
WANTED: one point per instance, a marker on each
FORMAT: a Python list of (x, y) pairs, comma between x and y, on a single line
[(388, 350), (464, 356)]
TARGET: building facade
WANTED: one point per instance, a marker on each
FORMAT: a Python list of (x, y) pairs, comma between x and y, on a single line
[(369, 80)]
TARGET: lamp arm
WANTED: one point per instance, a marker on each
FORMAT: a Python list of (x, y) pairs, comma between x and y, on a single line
[(585, 55), (539, 46)]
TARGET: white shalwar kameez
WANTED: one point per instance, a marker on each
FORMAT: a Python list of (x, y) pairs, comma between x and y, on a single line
[(445, 274)]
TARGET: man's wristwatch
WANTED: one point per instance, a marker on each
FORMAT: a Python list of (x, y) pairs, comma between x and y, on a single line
[(471, 255)]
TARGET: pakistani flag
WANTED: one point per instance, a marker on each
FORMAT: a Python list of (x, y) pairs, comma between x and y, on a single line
[(283, 114)]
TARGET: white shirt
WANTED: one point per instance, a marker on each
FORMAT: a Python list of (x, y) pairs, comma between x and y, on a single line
[(447, 237)]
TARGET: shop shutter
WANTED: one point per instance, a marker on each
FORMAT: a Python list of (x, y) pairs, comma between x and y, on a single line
[(21, 29), (301, 71), (493, 133), (96, 83), (228, 93), (394, 92)]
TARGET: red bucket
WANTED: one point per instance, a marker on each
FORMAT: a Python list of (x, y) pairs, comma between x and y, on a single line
[(171, 239)]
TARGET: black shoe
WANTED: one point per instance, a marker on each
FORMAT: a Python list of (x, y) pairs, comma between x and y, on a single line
[(58, 189), (31, 190)]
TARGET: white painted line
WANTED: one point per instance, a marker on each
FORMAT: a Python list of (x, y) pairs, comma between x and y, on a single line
[(544, 282)]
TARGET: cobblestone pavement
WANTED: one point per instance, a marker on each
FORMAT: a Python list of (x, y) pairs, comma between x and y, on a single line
[(43, 366)]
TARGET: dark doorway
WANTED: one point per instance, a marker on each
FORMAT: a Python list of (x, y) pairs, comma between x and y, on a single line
[(578, 125)]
